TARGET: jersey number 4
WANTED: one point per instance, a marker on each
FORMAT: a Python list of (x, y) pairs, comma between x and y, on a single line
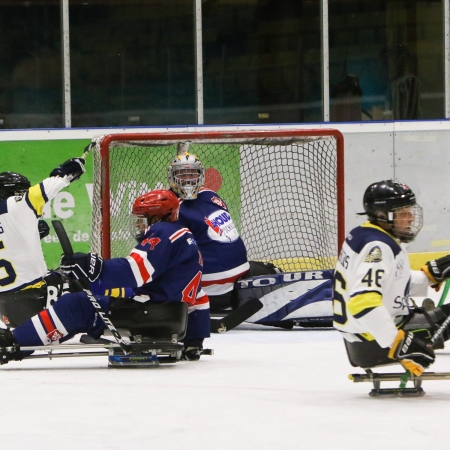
[(190, 291), (373, 277)]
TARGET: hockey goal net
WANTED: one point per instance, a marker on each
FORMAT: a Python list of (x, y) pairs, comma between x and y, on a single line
[(283, 188)]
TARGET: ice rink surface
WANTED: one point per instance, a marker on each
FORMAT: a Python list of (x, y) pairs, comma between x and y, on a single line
[(264, 388)]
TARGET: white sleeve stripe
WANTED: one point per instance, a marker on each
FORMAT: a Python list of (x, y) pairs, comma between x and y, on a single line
[(218, 289), (178, 234), (226, 274), (40, 330), (142, 270), (59, 326), (198, 307)]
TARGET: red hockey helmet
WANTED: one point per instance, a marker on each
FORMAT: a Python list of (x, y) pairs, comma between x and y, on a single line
[(159, 203)]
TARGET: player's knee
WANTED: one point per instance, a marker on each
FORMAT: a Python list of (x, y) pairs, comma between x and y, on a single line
[(75, 308)]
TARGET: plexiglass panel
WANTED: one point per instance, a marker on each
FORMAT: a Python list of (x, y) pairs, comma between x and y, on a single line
[(262, 61), (30, 65), (132, 62), (386, 60)]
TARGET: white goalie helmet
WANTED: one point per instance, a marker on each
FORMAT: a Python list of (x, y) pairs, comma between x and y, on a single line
[(186, 176)]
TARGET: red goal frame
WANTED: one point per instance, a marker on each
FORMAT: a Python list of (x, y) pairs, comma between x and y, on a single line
[(104, 142)]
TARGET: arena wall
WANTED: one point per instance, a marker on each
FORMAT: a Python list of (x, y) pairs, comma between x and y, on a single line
[(415, 153)]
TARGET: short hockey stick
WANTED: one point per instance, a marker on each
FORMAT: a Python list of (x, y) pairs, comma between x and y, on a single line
[(444, 293), (68, 251), (236, 317), (407, 375), (87, 149)]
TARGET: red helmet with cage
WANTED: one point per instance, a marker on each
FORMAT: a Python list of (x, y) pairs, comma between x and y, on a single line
[(159, 203)]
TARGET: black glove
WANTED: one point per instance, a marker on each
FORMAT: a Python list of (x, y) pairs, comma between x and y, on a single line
[(43, 228), (438, 270), (73, 168), (82, 266), (411, 352)]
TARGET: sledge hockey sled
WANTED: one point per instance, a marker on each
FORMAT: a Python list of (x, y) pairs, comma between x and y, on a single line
[(155, 331), (401, 378), (369, 355)]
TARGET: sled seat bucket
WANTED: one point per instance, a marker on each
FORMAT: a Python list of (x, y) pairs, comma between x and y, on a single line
[(152, 320)]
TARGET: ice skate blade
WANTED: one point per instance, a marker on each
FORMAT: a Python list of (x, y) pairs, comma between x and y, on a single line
[(133, 361), (397, 392)]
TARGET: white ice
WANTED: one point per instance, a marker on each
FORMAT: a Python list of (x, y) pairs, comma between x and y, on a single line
[(264, 388)]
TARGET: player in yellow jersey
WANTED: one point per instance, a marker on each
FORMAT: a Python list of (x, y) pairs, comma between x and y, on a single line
[(373, 283), (23, 290)]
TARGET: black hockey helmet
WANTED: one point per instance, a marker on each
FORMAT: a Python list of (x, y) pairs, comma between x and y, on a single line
[(12, 183), (383, 198)]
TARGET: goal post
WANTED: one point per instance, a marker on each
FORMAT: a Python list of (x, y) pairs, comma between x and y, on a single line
[(284, 188)]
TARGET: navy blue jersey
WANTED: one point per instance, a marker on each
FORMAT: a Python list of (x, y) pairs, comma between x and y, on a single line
[(224, 253), (166, 265)]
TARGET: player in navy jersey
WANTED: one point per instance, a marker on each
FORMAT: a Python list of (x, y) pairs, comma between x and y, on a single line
[(166, 265), (207, 216), (25, 283)]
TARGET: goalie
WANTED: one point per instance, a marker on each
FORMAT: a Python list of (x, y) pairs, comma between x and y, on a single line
[(373, 283), (165, 266), (25, 281), (207, 216)]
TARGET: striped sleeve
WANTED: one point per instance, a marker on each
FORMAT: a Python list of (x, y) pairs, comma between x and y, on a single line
[(178, 234), (39, 194), (141, 267), (363, 302)]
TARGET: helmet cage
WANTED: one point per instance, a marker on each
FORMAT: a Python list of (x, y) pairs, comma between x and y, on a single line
[(383, 202), (186, 176), (406, 222)]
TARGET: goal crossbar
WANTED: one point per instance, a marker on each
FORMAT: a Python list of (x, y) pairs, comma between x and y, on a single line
[(253, 143)]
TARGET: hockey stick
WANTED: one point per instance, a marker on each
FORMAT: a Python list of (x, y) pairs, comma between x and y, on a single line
[(87, 149), (236, 317), (407, 375), (68, 251), (444, 293)]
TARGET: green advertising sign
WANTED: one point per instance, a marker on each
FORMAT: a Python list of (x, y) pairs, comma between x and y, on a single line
[(72, 206)]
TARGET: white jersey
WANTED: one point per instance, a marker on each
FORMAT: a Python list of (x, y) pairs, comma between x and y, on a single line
[(22, 261), (372, 284)]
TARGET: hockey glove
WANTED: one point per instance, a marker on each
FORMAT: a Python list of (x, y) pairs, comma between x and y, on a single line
[(411, 352), (72, 168), (437, 270), (82, 266), (43, 228)]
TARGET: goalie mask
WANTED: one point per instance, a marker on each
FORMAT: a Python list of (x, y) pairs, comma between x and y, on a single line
[(186, 176), (392, 203), (154, 206), (12, 184)]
